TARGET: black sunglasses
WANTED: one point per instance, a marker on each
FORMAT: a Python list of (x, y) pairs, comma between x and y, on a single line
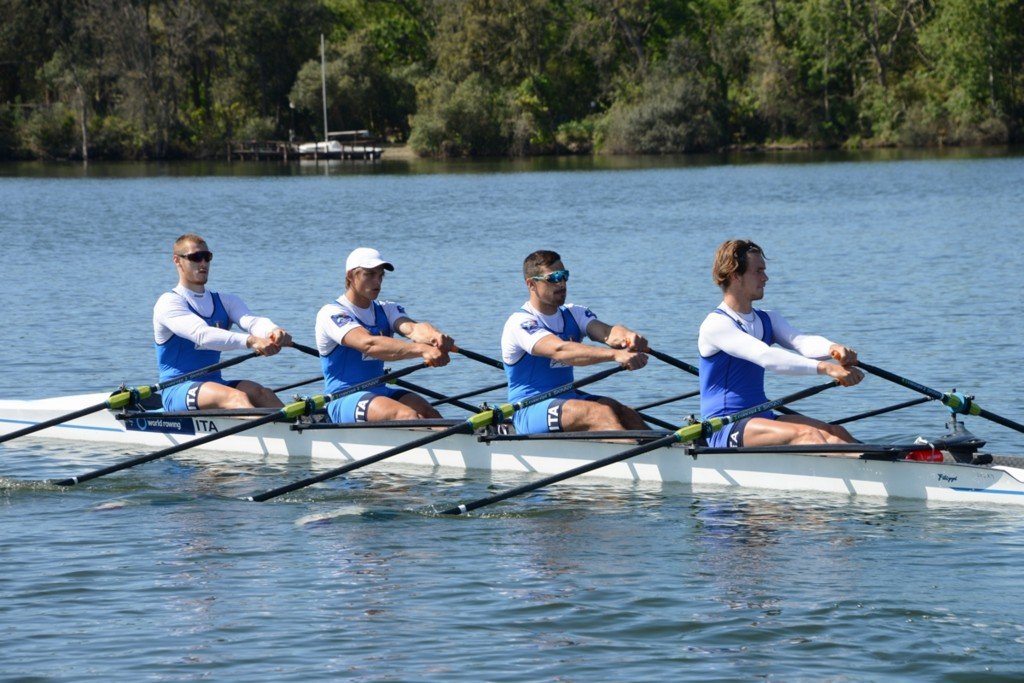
[(197, 256)]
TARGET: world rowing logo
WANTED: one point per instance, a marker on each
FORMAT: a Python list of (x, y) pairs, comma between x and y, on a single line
[(161, 425)]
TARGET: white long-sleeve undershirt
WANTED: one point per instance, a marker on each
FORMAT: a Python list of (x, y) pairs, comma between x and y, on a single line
[(172, 316), (720, 333)]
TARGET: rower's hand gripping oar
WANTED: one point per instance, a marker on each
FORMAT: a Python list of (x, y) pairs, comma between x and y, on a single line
[(682, 435), (126, 397), (956, 402), (478, 421), (288, 412)]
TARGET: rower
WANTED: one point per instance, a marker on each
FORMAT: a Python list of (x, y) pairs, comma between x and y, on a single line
[(355, 335), (542, 342), (192, 325), (735, 345)]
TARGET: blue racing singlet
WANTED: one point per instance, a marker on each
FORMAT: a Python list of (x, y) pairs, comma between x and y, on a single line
[(532, 375), (178, 356), (344, 366), (729, 384)]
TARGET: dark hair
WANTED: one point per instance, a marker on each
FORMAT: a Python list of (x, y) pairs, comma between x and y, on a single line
[(730, 258), (538, 260)]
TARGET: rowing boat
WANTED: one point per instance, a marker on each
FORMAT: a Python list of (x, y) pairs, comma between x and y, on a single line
[(955, 470)]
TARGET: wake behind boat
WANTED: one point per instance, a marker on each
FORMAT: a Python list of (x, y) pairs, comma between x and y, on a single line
[(954, 471)]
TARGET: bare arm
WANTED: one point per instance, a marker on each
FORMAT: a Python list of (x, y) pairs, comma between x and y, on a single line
[(616, 336), (575, 353), (390, 349)]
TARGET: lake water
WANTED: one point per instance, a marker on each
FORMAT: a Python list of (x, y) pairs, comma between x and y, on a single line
[(163, 572)]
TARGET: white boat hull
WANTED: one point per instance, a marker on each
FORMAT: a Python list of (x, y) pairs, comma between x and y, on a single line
[(323, 448)]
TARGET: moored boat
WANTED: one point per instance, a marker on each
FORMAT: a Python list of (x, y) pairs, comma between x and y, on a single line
[(954, 470)]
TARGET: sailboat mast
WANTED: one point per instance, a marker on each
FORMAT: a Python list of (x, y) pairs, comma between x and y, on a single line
[(323, 83)]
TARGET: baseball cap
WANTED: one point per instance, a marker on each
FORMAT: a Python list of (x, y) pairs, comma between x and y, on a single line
[(365, 257)]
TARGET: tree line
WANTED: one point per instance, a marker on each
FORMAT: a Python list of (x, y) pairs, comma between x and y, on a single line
[(159, 79)]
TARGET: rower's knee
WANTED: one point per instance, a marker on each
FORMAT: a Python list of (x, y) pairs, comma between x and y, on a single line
[(598, 417)]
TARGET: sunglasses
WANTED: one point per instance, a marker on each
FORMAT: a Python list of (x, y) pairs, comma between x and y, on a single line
[(197, 256), (554, 276)]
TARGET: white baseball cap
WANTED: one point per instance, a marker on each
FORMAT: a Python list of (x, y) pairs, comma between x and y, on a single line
[(365, 257)]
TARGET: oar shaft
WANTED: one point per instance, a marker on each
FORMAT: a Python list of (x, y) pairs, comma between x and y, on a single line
[(363, 462), (688, 433), (671, 399), (882, 411), (574, 472), (665, 358), (903, 381), (479, 358), (122, 398), (53, 421), (433, 394), (467, 394), (656, 421), (248, 424), (952, 400), (480, 420), (286, 387), (309, 351), (174, 381)]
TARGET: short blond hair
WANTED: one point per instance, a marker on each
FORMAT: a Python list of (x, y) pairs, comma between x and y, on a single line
[(188, 237)]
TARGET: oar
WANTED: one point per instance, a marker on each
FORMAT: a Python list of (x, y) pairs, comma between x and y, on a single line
[(684, 434), (671, 399), (682, 365), (288, 412), (957, 403), (123, 398), (467, 394), (433, 394), (480, 358), (308, 350), (286, 387), (881, 411), (481, 419)]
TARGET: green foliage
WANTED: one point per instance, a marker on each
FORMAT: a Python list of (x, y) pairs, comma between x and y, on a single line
[(460, 119), (50, 132), (508, 77)]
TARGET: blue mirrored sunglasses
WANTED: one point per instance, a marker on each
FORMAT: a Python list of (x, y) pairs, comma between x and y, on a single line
[(554, 276)]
